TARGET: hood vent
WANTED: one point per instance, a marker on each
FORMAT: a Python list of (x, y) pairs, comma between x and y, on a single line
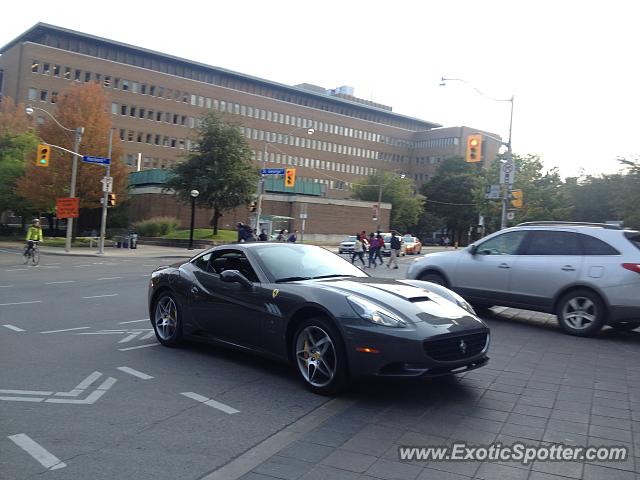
[(419, 299)]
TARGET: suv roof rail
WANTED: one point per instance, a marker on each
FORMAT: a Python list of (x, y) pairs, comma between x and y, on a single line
[(608, 226)]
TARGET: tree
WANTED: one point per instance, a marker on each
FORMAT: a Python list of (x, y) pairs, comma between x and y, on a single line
[(17, 141), (219, 167), (450, 195), (87, 106), (396, 190)]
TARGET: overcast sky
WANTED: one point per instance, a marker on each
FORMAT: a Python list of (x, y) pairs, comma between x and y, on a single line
[(572, 66)]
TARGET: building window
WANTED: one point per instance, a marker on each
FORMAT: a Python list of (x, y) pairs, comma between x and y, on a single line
[(200, 101), (32, 94), (161, 92), (114, 108), (87, 76), (150, 114), (44, 94), (122, 134), (56, 70), (143, 89), (123, 109), (135, 87), (193, 100), (77, 74), (148, 138), (116, 83), (67, 73), (125, 85), (132, 111), (152, 90), (35, 66), (46, 69), (158, 116), (54, 97), (142, 113), (130, 135)]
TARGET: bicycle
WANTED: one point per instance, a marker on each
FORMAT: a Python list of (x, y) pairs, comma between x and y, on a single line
[(33, 254)]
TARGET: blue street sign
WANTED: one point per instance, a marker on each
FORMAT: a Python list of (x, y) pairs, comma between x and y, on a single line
[(98, 160), (272, 171)]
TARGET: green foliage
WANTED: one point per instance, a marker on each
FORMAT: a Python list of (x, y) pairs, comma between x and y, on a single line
[(400, 192), (15, 148), (219, 167), (223, 236), (156, 226)]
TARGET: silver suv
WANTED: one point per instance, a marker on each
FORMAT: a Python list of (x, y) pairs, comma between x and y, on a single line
[(587, 274)]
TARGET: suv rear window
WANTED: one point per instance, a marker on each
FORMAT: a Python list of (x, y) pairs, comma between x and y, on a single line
[(634, 238), (595, 246), (544, 242)]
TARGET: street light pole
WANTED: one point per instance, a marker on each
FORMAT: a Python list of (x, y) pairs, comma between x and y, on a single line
[(506, 188), (74, 168), (194, 194), (105, 197), (310, 131)]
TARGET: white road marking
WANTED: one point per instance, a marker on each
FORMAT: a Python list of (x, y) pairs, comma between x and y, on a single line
[(134, 321), (139, 346), (9, 251), (91, 398), (6, 286), (101, 296), (108, 278), (83, 265), (150, 265), (103, 332), (135, 373), (44, 457), (22, 399), (25, 392), (81, 387), (211, 403), (66, 330), (64, 281), (20, 303), (128, 338), (15, 329), (47, 266), (147, 335), (16, 269)]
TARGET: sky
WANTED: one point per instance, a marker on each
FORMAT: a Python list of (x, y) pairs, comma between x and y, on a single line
[(571, 66)]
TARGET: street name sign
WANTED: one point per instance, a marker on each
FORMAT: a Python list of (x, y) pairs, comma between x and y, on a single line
[(272, 171), (96, 160)]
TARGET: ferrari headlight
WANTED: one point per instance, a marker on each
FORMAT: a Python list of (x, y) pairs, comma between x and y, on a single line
[(374, 313), (462, 303)]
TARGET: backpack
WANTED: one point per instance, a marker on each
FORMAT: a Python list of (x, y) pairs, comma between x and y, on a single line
[(395, 243)]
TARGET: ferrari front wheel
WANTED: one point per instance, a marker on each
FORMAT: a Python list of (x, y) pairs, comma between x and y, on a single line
[(167, 320), (319, 356)]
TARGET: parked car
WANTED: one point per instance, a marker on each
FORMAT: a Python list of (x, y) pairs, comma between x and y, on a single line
[(413, 246), (386, 250), (586, 274), (315, 310), (346, 246)]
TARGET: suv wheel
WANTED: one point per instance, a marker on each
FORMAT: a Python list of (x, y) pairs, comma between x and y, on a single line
[(433, 277), (581, 313)]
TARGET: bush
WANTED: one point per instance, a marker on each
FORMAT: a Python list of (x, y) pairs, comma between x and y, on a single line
[(156, 226)]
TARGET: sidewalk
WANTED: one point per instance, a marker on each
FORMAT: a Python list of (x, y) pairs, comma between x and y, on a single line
[(148, 251)]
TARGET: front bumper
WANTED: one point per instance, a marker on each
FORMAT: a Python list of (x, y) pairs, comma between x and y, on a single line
[(403, 356)]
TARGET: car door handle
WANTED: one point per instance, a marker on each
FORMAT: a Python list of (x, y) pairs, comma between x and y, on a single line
[(568, 268), (195, 290), (503, 265)]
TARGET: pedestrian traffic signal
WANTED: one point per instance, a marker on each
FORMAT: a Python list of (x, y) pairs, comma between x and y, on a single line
[(111, 200), (290, 177), (43, 155), (516, 198), (253, 206), (474, 148)]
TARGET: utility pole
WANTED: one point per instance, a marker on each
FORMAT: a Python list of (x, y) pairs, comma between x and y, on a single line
[(105, 196)]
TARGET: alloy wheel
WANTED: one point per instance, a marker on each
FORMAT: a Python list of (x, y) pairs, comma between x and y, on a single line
[(316, 356), (579, 313), (166, 318)]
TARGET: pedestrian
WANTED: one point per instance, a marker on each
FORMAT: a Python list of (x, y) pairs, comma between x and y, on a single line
[(373, 250), (380, 242), (446, 241), (365, 241), (242, 232), (293, 238), (282, 236), (250, 235), (395, 249), (357, 250), (263, 235)]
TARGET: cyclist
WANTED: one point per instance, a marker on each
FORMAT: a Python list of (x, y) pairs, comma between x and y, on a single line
[(34, 234)]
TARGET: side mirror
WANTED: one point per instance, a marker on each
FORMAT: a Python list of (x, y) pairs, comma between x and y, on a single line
[(234, 276), (473, 249)]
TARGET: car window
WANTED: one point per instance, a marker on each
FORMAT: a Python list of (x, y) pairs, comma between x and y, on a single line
[(202, 261), (505, 244), (408, 239), (545, 242), (633, 238), (232, 260), (595, 246)]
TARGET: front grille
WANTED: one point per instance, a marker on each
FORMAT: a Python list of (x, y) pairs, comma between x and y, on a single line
[(457, 347)]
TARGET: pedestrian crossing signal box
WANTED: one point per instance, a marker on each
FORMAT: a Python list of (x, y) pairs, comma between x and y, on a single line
[(290, 177)]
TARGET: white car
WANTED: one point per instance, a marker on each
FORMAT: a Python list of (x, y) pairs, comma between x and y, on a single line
[(586, 274)]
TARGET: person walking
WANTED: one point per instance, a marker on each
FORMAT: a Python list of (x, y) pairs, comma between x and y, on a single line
[(358, 252), (395, 249), (380, 242), (263, 235), (373, 250), (293, 238), (282, 236)]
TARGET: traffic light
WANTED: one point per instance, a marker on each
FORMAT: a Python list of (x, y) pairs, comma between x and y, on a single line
[(43, 155), (111, 200), (516, 198), (290, 177), (474, 148), (253, 206)]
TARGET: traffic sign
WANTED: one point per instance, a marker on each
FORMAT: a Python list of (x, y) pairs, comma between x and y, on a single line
[(107, 184), (507, 174), (68, 207), (272, 171), (492, 192), (97, 160)]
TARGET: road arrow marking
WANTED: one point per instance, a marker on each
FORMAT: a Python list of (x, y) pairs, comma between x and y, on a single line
[(135, 373), (81, 387), (42, 455)]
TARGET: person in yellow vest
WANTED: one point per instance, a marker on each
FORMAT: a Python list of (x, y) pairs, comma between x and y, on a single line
[(34, 234)]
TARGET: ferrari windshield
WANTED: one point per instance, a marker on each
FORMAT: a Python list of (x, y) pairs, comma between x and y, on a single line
[(302, 262)]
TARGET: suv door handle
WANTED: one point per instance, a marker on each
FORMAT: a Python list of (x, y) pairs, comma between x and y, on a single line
[(568, 268), (503, 265)]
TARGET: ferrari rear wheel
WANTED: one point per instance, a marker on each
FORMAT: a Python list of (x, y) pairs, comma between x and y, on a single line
[(319, 356), (167, 320)]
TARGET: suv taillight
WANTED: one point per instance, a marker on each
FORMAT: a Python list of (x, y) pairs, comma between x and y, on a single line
[(634, 267)]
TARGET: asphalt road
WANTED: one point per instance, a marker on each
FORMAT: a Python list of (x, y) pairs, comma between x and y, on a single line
[(87, 392)]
